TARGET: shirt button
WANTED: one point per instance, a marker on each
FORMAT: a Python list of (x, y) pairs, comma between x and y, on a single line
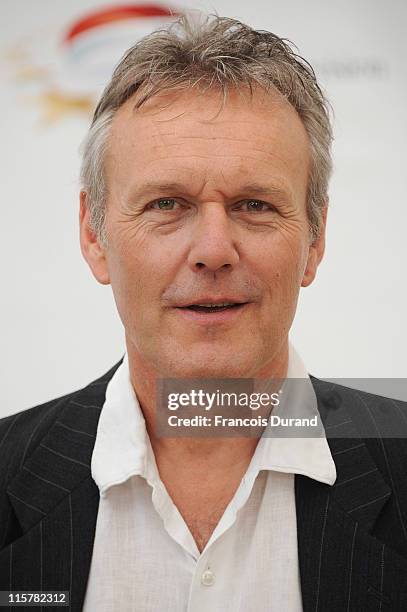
[(208, 578)]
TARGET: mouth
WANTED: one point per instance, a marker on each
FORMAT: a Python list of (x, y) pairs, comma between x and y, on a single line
[(213, 307), (213, 311)]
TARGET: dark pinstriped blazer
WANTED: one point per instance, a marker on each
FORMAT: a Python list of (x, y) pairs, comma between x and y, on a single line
[(352, 537)]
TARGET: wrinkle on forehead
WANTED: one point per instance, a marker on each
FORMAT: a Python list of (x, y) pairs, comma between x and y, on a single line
[(150, 139), (259, 111)]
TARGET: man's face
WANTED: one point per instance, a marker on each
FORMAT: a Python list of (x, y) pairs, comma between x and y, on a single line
[(206, 205)]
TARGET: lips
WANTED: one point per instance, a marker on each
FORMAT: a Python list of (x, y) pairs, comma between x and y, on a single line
[(213, 305)]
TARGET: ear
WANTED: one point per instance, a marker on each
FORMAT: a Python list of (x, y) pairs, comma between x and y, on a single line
[(316, 251), (92, 250)]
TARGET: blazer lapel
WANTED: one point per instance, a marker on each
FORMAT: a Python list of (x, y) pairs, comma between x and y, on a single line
[(343, 567), (56, 502)]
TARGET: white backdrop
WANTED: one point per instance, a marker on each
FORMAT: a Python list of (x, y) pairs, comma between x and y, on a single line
[(60, 329)]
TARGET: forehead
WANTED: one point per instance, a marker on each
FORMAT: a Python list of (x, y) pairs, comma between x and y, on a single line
[(188, 133)]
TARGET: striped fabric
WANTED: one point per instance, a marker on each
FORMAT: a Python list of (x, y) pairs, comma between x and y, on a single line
[(352, 537)]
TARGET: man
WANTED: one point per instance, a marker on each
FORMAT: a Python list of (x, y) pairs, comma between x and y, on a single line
[(204, 200)]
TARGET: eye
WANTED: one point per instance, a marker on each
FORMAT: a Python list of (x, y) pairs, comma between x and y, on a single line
[(164, 204), (255, 206)]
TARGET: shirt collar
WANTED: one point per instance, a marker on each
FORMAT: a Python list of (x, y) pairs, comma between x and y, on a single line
[(122, 447), (309, 456)]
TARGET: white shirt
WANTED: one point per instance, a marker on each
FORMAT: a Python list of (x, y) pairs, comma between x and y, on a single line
[(145, 558)]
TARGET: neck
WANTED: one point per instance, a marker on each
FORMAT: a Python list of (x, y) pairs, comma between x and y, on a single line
[(216, 454)]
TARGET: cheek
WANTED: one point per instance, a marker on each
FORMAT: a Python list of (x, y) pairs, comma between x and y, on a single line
[(140, 270), (282, 264)]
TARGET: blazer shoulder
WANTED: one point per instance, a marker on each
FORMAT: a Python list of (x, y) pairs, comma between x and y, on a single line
[(359, 402), (20, 433), (380, 422)]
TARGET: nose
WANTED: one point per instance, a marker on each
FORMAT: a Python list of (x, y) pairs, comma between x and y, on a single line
[(213, 247)]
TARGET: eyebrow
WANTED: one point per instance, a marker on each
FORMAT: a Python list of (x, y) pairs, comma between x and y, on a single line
[(254, 189)]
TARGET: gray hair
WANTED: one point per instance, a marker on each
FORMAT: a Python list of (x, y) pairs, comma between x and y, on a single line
[(216, 52)]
